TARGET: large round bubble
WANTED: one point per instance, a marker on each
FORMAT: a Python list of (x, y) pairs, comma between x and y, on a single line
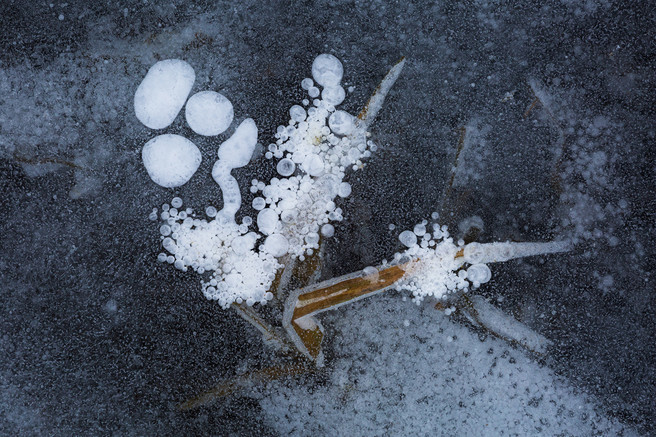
[(209, 113), (327, 70), (170, 160)]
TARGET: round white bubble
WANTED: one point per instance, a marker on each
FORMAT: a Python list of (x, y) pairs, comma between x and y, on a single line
[(344, 189), (420, 229), (210, 211), (170, 160), (313, 164), (327, 230), (267, 221), (288, 216), (333, 95), (307, 83), (312, 238), (479, 273), (162, 93), (259, 203), (286, 167), (341, 122), (209, 113), (176, 202), (327, 70), (408, 238), (276, 244), (297, 113)]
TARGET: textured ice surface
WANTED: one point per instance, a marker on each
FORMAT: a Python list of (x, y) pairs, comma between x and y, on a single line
[(97, 338), (209, 113), (162, 93), (428, 376), (170, 160)]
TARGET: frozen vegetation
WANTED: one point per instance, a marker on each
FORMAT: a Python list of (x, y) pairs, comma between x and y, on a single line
[(246, 133)]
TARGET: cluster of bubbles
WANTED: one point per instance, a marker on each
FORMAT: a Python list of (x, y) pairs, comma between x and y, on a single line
[(436, 265), (313, 152), (171, 160), (239, 274)]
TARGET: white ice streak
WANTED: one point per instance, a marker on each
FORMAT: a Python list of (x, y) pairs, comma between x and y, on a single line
[(376, 102), (235, 152), (436, 266), (498, 322), (477, 253)]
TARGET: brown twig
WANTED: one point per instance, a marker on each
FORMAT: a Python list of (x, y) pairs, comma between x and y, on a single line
[(47, 160), (227, 387)]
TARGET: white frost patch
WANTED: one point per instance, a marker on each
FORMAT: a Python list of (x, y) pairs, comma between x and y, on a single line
[(239, 274), (170, 160), (434, 273), (163, 92), (294, 209), (427, 377), (209, 113)]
